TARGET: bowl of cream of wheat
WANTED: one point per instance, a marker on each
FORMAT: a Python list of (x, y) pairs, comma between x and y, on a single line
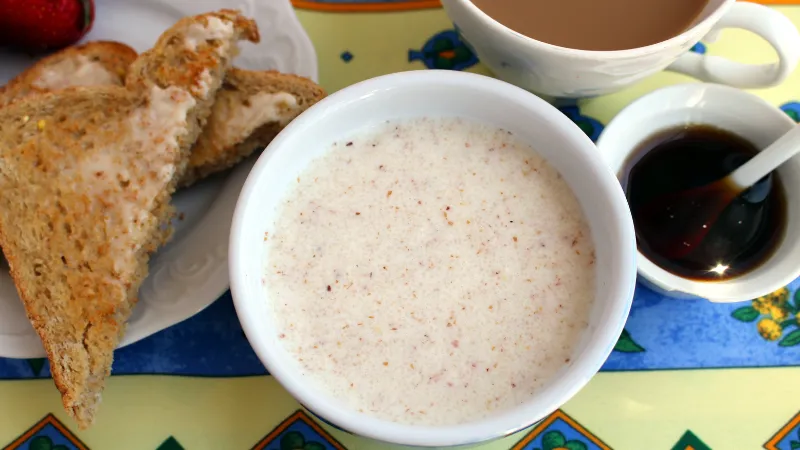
[(432, 259)]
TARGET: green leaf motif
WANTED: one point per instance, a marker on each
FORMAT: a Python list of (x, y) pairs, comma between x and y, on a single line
[(60, 447), (36, 365), (795, 445), (586, 127), (791, 339), (41, 443), (575, 445), (626, 344), (552, 440), (314, 446), (745, 314), (292, 441), (462, 54), (441, 45), (443, 63), (797, 299), (170, 444)]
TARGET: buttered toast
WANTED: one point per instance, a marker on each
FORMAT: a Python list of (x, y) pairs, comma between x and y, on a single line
[(91, 64), (249, 111), (86, 176), (251, 108)]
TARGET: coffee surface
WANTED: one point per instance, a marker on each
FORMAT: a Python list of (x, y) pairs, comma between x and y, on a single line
[(593, 24)]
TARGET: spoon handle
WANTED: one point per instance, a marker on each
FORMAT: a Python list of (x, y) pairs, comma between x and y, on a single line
[(767, 160)]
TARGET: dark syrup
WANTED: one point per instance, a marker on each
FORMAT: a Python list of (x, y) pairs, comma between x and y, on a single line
[(742, 237)]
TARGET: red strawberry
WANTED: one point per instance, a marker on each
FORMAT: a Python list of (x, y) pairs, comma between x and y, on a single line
[(37, 25)]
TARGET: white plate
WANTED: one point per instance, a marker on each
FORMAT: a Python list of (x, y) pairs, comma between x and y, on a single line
[(191, 272)]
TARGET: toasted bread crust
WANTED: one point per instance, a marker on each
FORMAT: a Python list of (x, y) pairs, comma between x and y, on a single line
[(218, 148), (224, 143), (35, 212), (86, 175), (179, 64), (168, 64), (112, 57)]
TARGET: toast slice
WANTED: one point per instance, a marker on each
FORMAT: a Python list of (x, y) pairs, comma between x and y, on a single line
[(251, 108), (86, 176), (249, 111), (91, 64)]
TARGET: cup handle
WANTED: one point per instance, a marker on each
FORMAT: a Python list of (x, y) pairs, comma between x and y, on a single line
[(771, 25)]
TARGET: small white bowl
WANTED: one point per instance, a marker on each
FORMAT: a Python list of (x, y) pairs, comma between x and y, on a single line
[(729, 109), (436, 94)]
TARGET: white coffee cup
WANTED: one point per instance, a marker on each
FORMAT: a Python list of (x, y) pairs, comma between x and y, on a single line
[(729, 109), (569, 73)]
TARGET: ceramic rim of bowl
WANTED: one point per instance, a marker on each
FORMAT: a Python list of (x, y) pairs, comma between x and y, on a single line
[(605, 333), (669, 97)]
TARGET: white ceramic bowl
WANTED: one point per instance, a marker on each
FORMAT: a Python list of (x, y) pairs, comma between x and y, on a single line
[(432, 94), (730, 109)]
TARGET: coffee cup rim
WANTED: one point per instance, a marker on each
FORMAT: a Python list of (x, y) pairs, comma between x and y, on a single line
[(704, 104), (676, 40)]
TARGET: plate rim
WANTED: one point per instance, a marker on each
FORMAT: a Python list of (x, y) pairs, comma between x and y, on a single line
[(28, 345)]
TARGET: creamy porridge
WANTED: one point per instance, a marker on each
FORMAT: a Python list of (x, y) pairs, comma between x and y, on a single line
[(430, 271)]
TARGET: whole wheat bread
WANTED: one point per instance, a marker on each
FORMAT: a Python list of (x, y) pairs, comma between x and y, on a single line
[(251, 108), (249, 111), (86, 176), (90, 64)]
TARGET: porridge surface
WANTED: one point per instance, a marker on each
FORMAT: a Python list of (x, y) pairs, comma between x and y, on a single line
[(430, 271)]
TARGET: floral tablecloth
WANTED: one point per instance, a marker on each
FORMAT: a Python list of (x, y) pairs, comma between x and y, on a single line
[(685, 375)]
